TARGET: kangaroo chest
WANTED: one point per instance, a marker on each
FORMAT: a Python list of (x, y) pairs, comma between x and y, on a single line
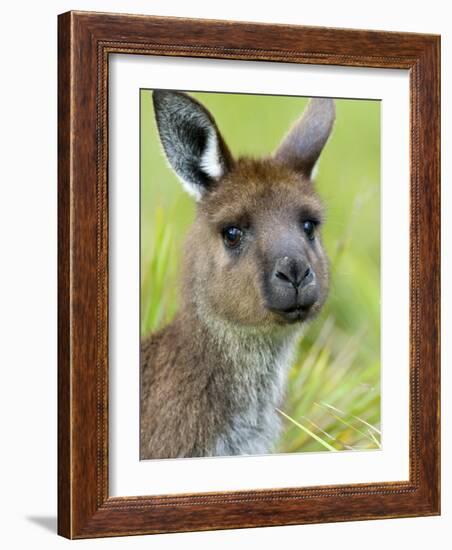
[(254, 389)]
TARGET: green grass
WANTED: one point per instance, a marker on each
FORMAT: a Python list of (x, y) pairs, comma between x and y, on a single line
[(333, 393)]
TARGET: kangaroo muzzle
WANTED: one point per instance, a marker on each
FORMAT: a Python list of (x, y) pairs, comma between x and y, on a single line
[(291, 288)]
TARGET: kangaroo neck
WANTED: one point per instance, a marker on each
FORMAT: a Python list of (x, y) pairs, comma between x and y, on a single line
[(241, 347)]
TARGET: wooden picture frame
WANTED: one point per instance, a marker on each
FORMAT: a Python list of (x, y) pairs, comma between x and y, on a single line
[(85, 42)]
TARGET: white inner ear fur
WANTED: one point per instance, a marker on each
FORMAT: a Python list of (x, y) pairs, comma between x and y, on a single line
[(314, 171), (210, 159), (210, 163)]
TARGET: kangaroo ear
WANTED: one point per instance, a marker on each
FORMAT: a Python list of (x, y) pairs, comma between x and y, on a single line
[(191, 140), (302, 146)]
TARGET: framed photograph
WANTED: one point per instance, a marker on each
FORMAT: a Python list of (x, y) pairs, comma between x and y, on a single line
[(248, 275)]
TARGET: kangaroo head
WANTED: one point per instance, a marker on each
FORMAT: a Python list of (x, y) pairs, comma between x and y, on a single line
[(254, 254)]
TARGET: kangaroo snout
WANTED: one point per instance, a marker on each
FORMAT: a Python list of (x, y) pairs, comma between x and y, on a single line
[(292, 288), (292, 271)]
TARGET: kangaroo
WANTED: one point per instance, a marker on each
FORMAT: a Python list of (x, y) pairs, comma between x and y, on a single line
[(254, 270)]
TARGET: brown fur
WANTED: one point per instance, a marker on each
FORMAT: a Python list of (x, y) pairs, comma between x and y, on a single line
[(258, 190), (185, 395), (211, 379)]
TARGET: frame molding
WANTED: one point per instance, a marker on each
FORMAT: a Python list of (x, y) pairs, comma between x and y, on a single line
[(85, 41)]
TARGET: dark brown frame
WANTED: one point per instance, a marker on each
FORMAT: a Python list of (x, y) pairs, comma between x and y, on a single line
[(85, 41)]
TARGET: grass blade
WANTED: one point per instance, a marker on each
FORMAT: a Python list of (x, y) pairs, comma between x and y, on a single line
[(308, 431)]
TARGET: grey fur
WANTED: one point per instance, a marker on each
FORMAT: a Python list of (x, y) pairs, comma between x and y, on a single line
[(225, 405)]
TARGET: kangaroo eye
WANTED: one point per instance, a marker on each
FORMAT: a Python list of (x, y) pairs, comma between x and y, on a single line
[(232, 236), (308, 228)]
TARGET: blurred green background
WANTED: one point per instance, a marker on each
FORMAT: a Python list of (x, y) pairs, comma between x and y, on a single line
[(333, 393)]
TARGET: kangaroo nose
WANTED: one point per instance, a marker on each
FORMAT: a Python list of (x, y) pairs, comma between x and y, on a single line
[(293, 271)]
